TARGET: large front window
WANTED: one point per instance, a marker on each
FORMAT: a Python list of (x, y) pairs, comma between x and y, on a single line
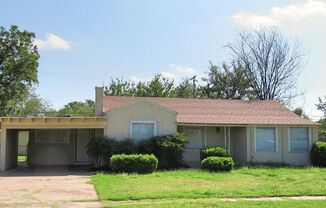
[(140, 130), (265, 139), (299, 139)]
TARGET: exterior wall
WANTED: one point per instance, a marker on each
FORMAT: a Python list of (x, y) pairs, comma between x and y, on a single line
[(282, 155), (11, 149), (119, 119), (239, 144)]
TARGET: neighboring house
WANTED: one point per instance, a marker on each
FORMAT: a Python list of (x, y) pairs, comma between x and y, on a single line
[(253, 131)]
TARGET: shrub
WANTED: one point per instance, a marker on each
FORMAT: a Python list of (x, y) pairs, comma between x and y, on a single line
[(100, 148), (125, 146), (213, 151), (217, 163), (318, 154), (136, 163), (168, 149)]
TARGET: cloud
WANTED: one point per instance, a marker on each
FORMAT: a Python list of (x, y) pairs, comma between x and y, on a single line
[(52, 42), (294, 13), (168, 75), (183, 69)]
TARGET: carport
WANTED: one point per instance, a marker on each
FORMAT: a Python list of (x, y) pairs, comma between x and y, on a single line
[(51, 141)]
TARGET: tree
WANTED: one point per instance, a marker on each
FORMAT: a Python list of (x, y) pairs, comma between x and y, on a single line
[(157, 87), (78, 109), (33, 106), (322, 107), (271, 63), (300, 112), (120, 87), (228, 82), (18, 67)]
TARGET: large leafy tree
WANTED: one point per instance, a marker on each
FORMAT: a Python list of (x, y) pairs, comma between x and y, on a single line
[(157, 87), (33, 106), (18, 67), (271, 61), (78, 109), (227, 82)]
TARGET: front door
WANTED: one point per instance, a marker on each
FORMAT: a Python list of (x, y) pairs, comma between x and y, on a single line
[(195, 137), (82, 140)]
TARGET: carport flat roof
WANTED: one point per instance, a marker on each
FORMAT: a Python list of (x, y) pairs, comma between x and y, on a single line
[(53, 122)]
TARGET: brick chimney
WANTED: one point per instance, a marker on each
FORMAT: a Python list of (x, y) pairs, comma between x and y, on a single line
[(99, 93)]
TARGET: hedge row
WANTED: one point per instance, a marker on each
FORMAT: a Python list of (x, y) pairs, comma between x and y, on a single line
[(136, 163), (318, 154), (217, 163)]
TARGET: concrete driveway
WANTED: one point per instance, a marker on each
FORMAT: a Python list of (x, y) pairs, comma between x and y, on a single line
[(59, 187)]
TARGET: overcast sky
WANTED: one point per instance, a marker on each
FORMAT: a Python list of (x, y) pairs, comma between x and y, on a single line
[(85, 43)]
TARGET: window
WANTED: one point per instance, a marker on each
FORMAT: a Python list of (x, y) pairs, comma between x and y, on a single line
[(299, 139), (140, 130), (265, 140), (52, 136)]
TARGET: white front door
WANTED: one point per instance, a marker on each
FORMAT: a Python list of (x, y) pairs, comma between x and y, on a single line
[(82, 140), (195, 137)]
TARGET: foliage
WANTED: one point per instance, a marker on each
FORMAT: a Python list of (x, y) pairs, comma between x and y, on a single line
[(318, 154), (168, 149), (78, 109), (322, 105), (217, 163), (213, 151), (194, 184), (18, 67), (228, 82), (300, 112), (33, 106), (125, 146), (100, 148), (159, 86), (271, 63), (135, 163)]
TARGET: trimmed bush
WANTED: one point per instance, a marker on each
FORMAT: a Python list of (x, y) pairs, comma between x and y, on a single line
[(217, 163), (318, 154), (136, 163), (213, 151)]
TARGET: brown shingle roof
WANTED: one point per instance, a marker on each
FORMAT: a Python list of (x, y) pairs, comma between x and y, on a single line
[(209, 111)]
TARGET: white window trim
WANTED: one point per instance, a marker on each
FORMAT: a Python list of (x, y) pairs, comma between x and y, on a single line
[(289, 140), (276, 138), (141, 121)]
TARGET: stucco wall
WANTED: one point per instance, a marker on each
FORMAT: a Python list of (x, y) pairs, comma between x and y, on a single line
[(282, 155), (119, 119), (11, 149)]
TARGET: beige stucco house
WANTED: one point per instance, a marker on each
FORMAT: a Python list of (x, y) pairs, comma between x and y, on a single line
[(253, 131)]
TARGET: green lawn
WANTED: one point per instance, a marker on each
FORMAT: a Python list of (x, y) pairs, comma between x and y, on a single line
[(203, 203), (21, 158), (195, 184)]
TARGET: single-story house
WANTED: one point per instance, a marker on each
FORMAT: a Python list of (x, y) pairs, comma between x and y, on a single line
[(253, 131)]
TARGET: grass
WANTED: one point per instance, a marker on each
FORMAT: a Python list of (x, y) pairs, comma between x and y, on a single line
[(221, 204), (21, 158), (196, 184)]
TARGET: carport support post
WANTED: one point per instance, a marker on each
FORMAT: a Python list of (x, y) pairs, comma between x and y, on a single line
[(3, 149)]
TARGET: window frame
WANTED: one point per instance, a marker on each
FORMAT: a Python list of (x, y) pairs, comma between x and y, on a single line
[(289, 140), (276, 139), (142, 122)]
